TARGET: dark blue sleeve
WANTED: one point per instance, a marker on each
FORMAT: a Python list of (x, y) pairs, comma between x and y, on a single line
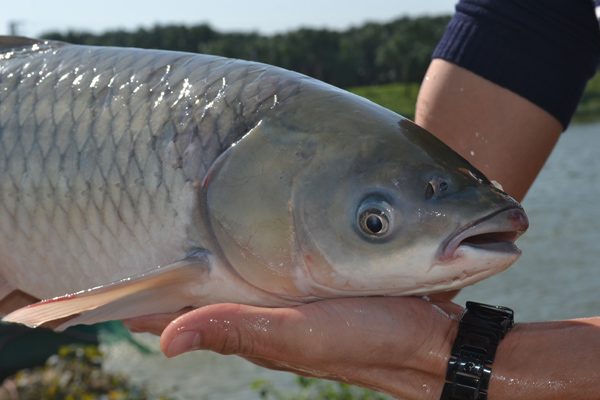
[(545, 51)]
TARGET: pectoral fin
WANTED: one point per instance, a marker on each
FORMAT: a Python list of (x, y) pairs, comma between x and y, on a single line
[(164, 289)]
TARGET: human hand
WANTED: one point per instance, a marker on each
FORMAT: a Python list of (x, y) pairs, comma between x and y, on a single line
[(394, 345)]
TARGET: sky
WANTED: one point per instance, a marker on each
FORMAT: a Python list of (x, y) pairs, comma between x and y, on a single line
[(34, 17)]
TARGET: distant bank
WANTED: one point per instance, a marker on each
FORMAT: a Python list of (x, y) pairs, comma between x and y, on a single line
[(402, 97)]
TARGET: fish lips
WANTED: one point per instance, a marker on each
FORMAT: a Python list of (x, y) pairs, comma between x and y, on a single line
[(496, 232)]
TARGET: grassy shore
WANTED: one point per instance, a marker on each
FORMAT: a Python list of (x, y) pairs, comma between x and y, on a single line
[(398, 97), (401, 98), (75, 373), (589, 108)]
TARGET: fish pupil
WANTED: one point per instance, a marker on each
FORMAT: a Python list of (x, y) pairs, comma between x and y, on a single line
[(374, 217), (374, 224)]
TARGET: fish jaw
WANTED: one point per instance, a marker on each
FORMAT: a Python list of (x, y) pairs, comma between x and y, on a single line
[(495, 233), (477, 251)]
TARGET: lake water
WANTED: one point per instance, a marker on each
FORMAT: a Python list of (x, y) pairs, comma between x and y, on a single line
[(557, 277)]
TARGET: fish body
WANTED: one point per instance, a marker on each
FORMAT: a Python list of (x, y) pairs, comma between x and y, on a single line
[(138, 181)]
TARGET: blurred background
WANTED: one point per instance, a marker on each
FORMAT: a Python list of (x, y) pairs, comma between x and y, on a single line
[(267, 17), (379, 50)]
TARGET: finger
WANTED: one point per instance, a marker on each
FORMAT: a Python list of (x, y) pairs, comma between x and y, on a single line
[(154, 323)]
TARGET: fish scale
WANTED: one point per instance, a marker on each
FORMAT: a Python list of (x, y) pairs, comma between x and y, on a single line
[(93, 178)]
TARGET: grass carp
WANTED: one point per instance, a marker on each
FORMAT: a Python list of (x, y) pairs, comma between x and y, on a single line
[(135, 182)]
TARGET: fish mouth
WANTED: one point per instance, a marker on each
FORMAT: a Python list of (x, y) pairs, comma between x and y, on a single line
[(496, 232)]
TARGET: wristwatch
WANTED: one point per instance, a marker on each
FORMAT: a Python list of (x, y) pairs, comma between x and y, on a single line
[(480, 330)]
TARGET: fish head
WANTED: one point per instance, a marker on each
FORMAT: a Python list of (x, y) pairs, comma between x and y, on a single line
[(370, 204), (398, 212)]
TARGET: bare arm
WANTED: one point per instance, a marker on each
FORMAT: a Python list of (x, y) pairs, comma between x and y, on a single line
[(548, 360)]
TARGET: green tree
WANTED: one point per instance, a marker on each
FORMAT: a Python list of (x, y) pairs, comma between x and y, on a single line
[(372, 54)]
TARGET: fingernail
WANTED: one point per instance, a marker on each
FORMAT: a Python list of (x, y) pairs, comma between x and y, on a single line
[(183, 342)]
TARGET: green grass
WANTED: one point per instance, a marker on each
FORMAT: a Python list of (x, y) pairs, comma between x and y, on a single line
[(316, 389), (75, 373), (589, 108), (398, 97), (401, 98)]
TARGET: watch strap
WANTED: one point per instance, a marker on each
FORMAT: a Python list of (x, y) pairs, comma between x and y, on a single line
[(481, 329)]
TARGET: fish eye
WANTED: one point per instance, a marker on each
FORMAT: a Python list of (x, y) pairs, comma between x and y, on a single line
[(374, 217)]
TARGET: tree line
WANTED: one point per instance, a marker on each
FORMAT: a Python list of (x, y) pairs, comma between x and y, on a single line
[(372, 54)]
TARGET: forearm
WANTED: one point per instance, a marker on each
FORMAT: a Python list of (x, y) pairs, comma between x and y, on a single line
[(547, 361)]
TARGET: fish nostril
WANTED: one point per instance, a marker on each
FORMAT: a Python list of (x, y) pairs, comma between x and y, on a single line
[(429, 191), (435, 187)]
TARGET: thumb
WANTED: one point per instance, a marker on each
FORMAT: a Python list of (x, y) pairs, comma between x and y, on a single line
[(233, 329)]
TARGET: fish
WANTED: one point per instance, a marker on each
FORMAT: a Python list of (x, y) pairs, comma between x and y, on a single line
[(135, 182)]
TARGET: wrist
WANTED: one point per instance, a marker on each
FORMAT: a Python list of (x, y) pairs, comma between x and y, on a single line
[(420, 373), (435, 351)]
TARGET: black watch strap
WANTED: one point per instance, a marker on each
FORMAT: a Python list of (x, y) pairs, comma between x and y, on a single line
[(480, 330)]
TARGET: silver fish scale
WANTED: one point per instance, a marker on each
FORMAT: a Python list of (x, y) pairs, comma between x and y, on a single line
[(103, 152)]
